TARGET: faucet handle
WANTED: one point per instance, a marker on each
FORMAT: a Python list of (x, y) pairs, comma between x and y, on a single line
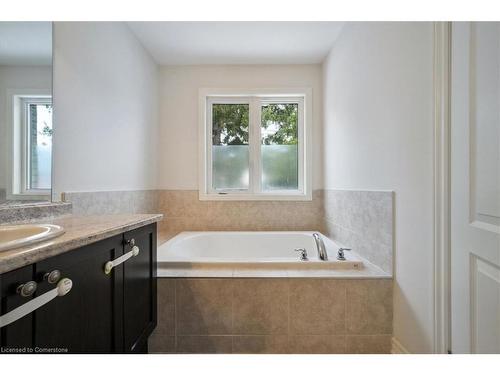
[(340, 254), (303, 253)]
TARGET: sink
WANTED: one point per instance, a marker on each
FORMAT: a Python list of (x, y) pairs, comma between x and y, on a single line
[(12, 236)]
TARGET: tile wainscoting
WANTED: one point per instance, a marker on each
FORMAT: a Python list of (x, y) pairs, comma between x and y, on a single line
[(113, 202), (257, 315), (363, 221), (184, 211)]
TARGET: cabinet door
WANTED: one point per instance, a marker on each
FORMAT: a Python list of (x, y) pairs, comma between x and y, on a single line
[(89, 318), (17, 336), (140, 289)]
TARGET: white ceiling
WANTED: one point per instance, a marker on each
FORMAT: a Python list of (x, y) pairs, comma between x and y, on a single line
[(193, 43), (25, 43)]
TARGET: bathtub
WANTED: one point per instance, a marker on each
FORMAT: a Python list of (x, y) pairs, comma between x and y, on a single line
[(253, 254), (249, 292)]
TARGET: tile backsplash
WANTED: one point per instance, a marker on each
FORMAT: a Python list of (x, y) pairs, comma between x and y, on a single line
[(363, 221), (35, 211), (113, 202), (184, 211)]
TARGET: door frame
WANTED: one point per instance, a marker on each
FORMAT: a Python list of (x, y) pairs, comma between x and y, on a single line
[(442, 203)]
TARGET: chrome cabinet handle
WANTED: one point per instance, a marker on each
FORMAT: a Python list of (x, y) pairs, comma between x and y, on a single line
[(27, 289), (112, 264), (63, 287)]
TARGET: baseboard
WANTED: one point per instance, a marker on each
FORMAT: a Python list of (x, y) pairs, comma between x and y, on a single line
[(397, 348)]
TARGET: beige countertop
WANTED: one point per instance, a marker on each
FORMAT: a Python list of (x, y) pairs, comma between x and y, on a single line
[(79, 231)]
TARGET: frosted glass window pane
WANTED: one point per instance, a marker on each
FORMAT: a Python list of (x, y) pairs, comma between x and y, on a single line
[(230, 167), (230, 151), (40, 140), (279, 146)]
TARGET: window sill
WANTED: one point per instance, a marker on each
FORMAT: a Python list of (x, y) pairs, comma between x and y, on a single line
[(255, 197), (29, 196)]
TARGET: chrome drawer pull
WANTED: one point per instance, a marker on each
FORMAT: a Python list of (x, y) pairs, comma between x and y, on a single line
[(63, 287), (112, 264)]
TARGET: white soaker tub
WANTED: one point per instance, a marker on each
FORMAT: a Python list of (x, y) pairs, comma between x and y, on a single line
[(231, 254)]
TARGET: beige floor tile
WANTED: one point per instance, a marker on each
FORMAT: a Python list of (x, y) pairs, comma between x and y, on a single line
[(317, 344), (204, 344), (159, 343), (261, 344), (369, 344)]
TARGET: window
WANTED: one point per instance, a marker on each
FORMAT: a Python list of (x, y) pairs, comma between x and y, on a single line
[(255, 146), (38, 133), (32, 120)]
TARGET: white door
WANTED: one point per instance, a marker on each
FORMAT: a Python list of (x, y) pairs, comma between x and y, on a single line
[(475, 187)]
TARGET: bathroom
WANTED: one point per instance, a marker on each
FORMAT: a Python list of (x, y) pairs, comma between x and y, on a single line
[(183, 188)]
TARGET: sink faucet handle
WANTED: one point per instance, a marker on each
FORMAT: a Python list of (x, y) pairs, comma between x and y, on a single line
[(303, 253), (340, 254)]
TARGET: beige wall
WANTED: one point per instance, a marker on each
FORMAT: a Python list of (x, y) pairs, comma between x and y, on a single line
[(378, 135), (179, 85)]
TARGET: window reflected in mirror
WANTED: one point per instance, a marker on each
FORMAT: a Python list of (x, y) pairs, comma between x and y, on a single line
[(26, 126)]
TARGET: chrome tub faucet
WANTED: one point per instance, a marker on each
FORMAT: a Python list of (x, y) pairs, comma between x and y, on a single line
[(320, 246)]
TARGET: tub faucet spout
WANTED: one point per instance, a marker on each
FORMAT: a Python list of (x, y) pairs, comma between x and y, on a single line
[(320, 246)]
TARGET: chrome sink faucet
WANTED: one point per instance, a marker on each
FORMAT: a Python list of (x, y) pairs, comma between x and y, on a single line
[(320, 246)]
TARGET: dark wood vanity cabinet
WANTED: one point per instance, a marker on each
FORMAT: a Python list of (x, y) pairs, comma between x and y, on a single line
[(139, 291), (20, 333), (102, 313)]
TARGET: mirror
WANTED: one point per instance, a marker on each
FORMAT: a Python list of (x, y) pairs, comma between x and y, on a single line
[(25, 112)]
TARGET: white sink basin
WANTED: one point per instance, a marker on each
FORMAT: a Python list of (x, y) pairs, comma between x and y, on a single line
[(12, 236)]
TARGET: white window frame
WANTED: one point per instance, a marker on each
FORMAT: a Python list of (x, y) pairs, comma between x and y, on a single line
[(253, 97), (18, 171)]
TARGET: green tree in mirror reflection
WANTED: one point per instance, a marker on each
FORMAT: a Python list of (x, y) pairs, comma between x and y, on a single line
[(47, 128)]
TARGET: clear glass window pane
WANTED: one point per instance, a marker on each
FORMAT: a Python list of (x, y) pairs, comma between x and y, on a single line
[(230, 150), (279, 146), (40, 145)]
